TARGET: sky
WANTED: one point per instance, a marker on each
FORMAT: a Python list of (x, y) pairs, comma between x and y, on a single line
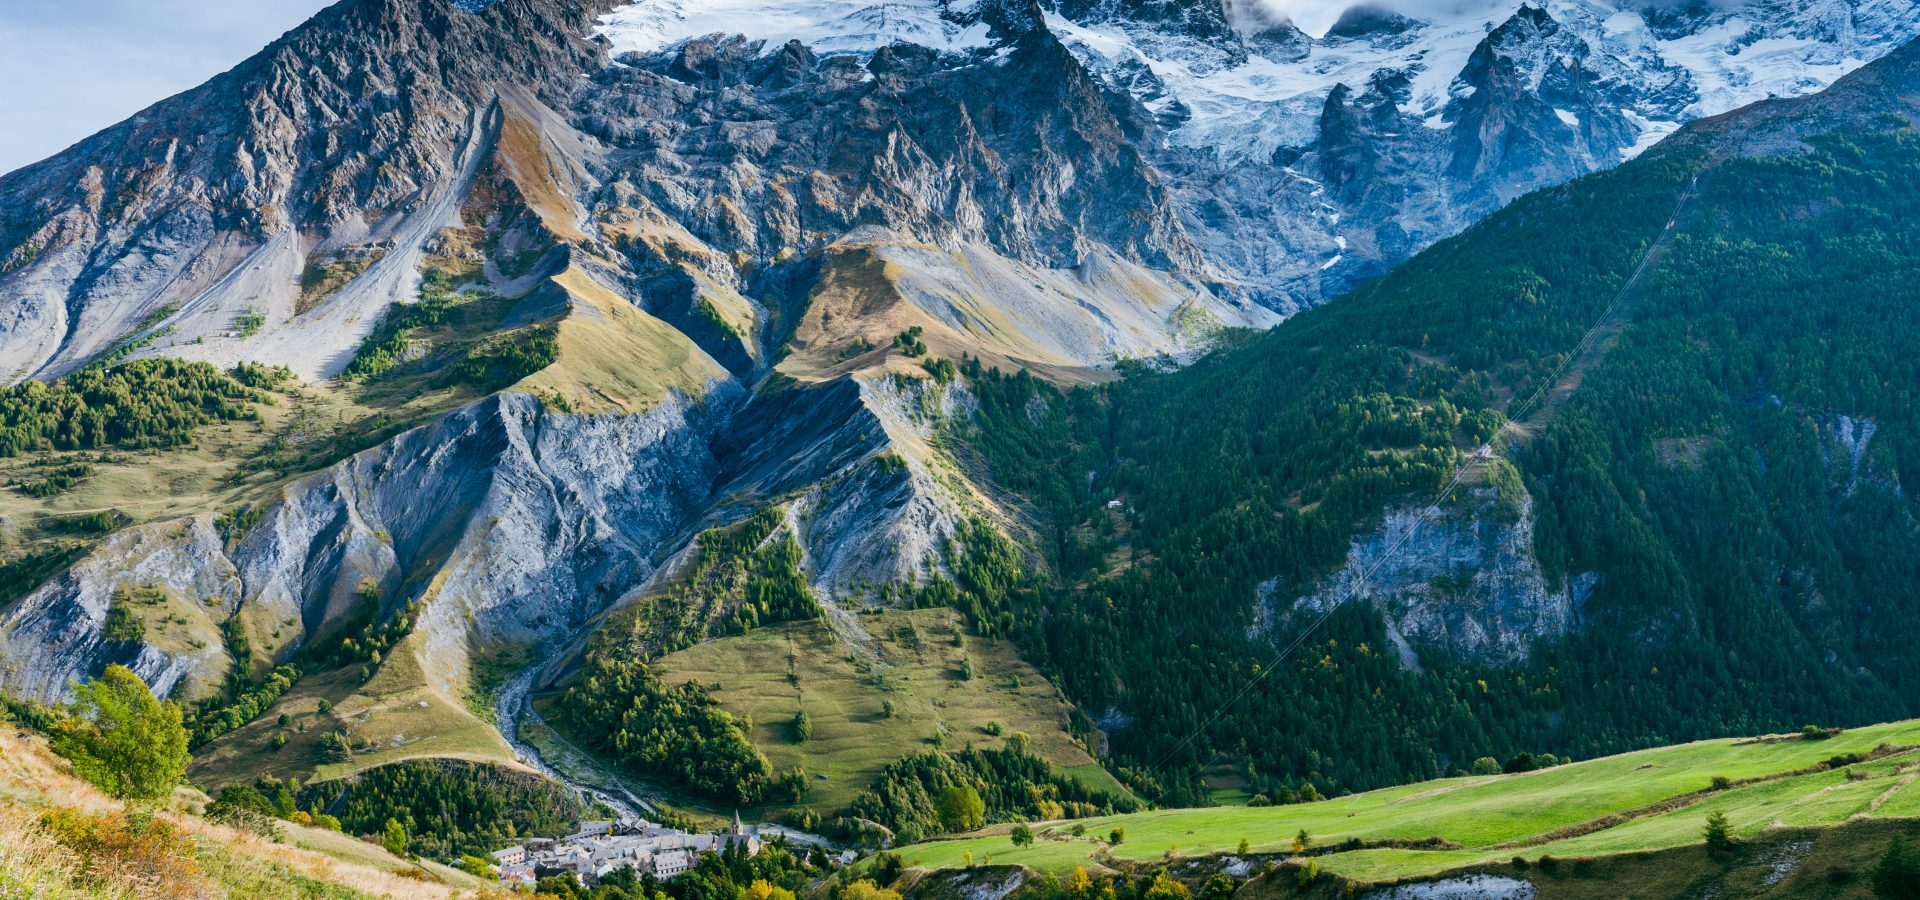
[(69, 68)]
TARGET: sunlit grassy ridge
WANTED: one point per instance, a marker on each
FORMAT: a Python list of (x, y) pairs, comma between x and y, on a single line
[(95, 855), (853, 736), (1656, 799)]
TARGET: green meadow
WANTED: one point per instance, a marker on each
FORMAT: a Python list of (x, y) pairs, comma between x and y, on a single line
[(1636, 802)]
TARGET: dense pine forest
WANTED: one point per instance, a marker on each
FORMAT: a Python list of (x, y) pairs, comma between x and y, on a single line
[(144, 404), (1753, 575), (448, 807)]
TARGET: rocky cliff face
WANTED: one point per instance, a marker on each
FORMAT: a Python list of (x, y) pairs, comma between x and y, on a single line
[(508, 524), (355, 129), (1459, 580)]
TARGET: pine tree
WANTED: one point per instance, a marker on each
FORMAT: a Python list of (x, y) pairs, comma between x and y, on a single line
[(1719, 840)]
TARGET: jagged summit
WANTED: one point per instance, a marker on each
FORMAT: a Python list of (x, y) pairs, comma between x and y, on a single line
[(1371, 22)]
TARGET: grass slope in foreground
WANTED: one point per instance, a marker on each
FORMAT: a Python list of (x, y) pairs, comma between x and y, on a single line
[(97, 851), (1635, 802)]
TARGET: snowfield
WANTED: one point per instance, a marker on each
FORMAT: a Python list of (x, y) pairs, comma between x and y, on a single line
[(826, 26), (1244, 105)]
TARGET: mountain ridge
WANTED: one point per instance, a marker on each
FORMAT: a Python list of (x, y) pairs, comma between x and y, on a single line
[(564, 313)]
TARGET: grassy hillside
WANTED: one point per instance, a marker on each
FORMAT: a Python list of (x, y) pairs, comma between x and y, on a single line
[(1632, 803), (98, 852), (396, 716), (913, 662)]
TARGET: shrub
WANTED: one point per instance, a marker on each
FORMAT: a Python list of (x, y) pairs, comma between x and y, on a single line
[(1521, 762), (123, 847), (1164, 888)]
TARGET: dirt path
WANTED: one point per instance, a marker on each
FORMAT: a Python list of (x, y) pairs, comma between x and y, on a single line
[(1527, 418)]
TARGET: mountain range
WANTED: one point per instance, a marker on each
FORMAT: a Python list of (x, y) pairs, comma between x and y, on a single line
[(479, 379)]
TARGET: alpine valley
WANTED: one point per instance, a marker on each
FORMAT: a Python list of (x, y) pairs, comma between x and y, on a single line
[(888, 421)]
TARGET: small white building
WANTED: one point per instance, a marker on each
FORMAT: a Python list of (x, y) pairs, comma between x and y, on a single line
[(597, 849), (512, 856)]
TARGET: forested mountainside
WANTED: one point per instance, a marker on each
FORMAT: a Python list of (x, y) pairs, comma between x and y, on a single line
[(522, 382), (1705, 528)]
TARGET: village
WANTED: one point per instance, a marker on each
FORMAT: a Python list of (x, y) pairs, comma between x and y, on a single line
[(600, 848)]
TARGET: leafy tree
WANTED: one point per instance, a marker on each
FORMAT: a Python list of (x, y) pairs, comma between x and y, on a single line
[(125, 741), (867, 890), (1022, 836), (394, 837), (1079, 884), (336, 747), (1485, 765), (476, 866), (1165, 888), (961, 809), (761, 889), (237, 800)]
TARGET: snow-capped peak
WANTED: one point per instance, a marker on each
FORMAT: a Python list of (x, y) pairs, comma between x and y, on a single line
[(825, 26), (1244, 105)]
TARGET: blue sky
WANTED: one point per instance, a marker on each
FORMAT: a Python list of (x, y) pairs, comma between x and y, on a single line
[(69, 68)]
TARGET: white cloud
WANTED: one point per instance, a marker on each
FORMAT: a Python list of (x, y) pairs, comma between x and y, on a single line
[(73, 67), (1316, 16), (1312, 16)]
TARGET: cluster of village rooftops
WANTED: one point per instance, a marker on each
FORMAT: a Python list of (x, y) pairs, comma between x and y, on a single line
[(598, 849)]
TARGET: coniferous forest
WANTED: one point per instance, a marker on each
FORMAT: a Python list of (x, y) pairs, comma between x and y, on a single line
[(1752, 574)]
